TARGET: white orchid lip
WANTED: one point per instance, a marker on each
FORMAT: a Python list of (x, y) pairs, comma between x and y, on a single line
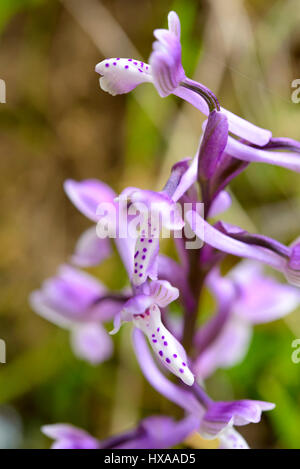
[(143, 310), (164, 345), (119, 75)]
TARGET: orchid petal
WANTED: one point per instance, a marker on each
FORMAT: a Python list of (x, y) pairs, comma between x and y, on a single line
[(220, 414), (70, 437), (136, 305), (67, 297), (244, 152), (187, 180), (283, 143), (41, 306), (213, 144), (157, 205), (163, 293), (182, 397), (237, 125), (120, 76), (221, 203), (228, 349), (91, 342), (87, 195), (166, 348), (117, 323), (262, 299), (91, 250), (106, 307), (161, 432), (293, 267), (156, 211), (231, 439), (220, 417), (246, 130), (165, 61), (125, 248), (225, 243), (174, 23), (145, 257)]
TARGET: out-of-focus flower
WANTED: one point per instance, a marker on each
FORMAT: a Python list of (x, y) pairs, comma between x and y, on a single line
[(155, 432), (77, 301), (254, 299), (69, 437), (221, 417), (94, 199), (91, 250)]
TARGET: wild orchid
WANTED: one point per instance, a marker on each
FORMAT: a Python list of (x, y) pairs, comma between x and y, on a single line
[(165, 71), (135, 220)]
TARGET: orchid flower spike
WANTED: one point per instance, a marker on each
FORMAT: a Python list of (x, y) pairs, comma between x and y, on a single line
[(143, 310)]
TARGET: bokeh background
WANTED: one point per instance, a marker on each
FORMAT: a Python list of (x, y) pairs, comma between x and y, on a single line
[(58, 124)]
